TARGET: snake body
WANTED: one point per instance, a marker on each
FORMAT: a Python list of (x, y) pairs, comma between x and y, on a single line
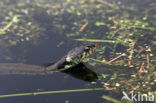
[(72, 58)]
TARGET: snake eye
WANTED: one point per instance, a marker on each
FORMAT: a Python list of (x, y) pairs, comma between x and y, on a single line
[(86, 48)]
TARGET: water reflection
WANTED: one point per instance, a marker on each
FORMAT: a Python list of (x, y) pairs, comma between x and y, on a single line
[(80, 71)]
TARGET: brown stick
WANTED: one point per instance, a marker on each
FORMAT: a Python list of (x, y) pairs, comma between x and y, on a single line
[(123, 54), (140, 51), (141, 68), (131, 54), (148, 62), (105, 3), (83, 27)]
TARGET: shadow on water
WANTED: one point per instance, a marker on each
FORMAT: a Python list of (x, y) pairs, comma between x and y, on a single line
[(81, 72)]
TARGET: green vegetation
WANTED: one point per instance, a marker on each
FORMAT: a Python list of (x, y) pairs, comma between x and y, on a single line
[(124, 29)]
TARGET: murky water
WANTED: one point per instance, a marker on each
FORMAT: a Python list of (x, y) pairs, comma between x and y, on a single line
[(39, 55), (46, 38)]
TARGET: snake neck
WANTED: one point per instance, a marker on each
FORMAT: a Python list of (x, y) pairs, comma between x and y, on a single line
[(51, 67), (61, 65)]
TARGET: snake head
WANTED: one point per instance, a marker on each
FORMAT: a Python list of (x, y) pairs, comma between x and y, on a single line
[(78, 54), (74, 57)]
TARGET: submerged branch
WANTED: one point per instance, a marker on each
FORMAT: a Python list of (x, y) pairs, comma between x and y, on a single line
[(106, 3), (147, 28), (95, 40), (123, 54), (110, 99), (50, 92), (104, 62), (8, 25)]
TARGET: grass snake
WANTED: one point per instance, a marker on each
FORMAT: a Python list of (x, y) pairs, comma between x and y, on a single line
[(71, 59)]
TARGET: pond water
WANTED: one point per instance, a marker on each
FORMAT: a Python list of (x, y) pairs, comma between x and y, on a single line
[(40, 32), (40, 55)]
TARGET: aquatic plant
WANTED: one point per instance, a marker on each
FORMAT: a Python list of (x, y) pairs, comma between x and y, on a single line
[(125, 32)]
